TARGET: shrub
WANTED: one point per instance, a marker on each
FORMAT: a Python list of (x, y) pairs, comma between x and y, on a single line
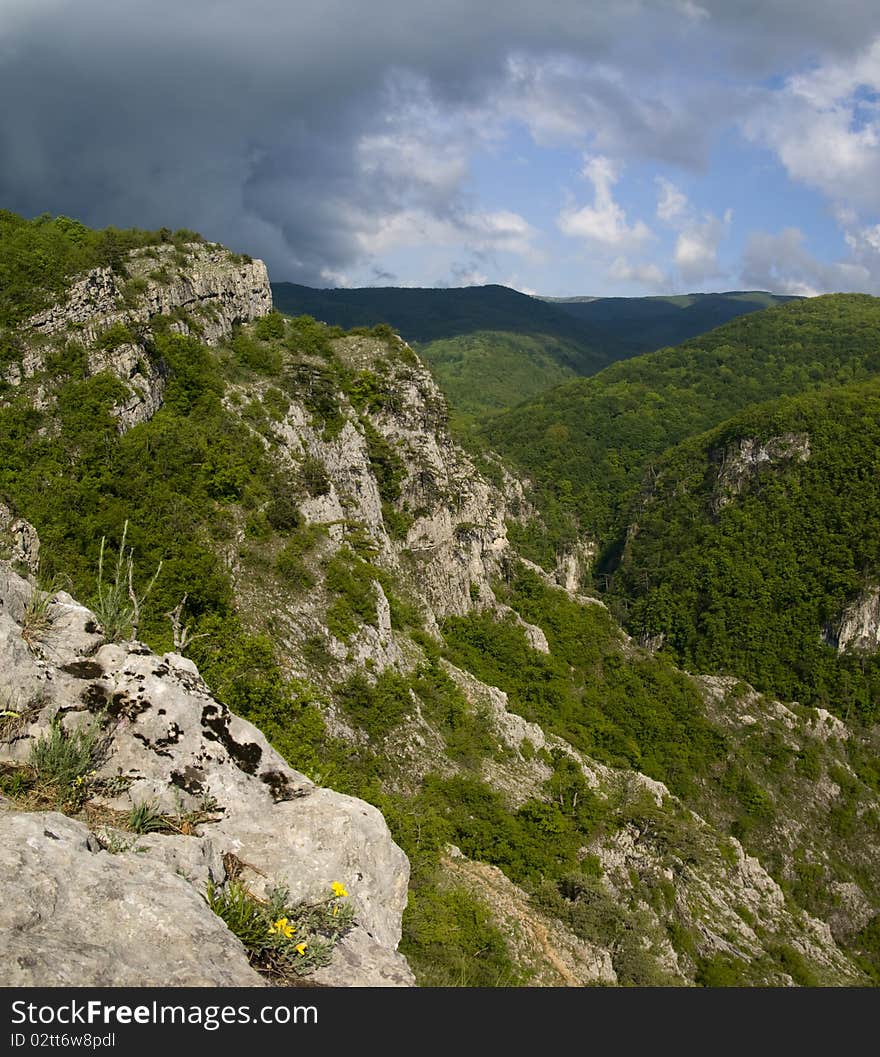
[(314, 477), (282, 512), (270, 326)]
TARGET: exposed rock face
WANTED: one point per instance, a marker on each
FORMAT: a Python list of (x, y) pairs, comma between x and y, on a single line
[(19, 541), (218, 288), (74, 915), (558, 958), (572, 566), (203, 291), (858, 629), (743, 460), (454, 543), (168, 743)]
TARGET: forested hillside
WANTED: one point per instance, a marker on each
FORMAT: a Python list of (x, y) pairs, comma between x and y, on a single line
[(648, 323), (755, 537), (590, 444), (491, 348)]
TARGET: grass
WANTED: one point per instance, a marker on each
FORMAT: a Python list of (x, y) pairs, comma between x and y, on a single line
[(64, 758), (37, 621)]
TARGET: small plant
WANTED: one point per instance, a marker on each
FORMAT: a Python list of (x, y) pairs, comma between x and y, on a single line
[(144, 818), (118, 605), (113, 842), (36, 621), (283, 941), (65, 760), (16, 782)]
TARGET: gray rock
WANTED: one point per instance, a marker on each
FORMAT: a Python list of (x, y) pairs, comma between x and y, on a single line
[(71, 916), (857, 630), (206, 295), (745, 458), (358, 961), (168, 743), (19, 541)]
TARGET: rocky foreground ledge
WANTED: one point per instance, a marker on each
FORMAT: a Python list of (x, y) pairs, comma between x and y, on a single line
[(89, 904)]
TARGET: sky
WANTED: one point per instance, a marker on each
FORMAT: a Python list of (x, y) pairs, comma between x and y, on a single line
[(569, 147)]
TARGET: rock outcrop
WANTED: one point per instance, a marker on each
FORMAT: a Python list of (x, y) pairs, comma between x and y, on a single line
[(744, 459), (857, 630), (202, 290), (84, 917), (166, 742)]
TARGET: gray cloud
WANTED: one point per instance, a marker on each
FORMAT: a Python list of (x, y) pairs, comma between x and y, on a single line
[(247, 122), (782, 263)]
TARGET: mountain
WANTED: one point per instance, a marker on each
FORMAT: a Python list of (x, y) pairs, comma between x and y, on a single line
[(589, 444), (648, 323), (491, 347), (423, 315), (264, 623)]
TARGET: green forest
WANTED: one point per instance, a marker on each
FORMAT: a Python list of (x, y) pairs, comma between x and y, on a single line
[(747, 587), (592, 443)]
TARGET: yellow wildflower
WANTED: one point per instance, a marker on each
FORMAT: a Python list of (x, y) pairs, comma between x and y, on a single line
[(339, 890), (282, 928), (301, 948)]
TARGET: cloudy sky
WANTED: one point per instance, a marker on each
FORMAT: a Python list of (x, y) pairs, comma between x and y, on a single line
[(563, 147)]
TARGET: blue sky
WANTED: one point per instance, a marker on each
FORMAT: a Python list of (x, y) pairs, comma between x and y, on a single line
[(618, 147)]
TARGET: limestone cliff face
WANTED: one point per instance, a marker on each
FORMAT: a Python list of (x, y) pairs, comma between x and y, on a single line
[(165, 742), (442, 536), (202, 290), (857, 630), (743, 460)]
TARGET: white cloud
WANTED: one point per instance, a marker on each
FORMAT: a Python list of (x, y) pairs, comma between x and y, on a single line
[(782, 263), (470, 277), (672, 203), (823, 125), (421, 163), (604, 222), (691, 10), (645, 274), (696, 249), (699, 234), (493, 232)]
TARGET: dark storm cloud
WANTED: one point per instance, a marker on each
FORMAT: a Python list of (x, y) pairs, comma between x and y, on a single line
[(244, 120)]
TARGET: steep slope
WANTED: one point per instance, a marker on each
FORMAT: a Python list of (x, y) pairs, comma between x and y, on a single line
[(589, 444), (348, 584), (756, 544)]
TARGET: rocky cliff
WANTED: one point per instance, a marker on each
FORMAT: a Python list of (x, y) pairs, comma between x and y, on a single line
[(99, 904), (111, 315)]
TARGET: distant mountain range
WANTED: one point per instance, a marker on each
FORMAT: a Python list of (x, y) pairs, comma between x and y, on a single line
[(492, 347)]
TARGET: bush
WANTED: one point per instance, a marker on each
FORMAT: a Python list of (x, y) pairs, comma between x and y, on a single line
[(270, 327)]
